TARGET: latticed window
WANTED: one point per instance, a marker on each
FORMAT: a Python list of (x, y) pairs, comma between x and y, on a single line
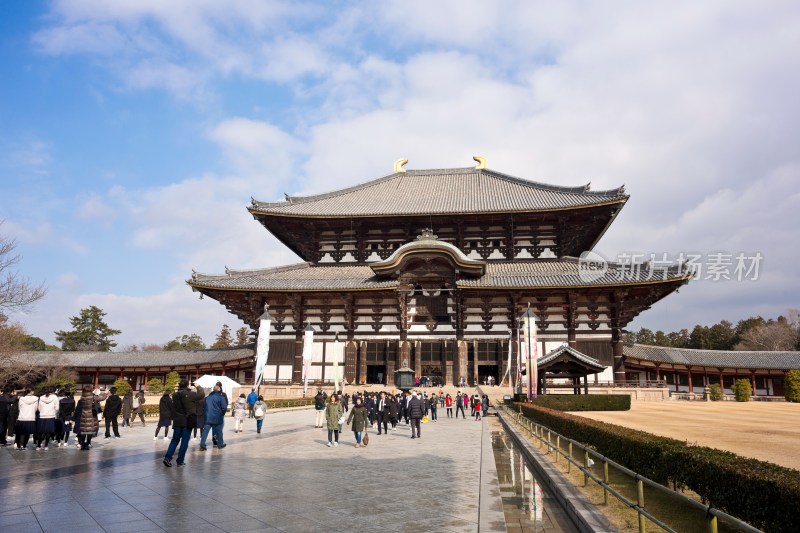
[(487, 351), (431, 352), (376, 352)]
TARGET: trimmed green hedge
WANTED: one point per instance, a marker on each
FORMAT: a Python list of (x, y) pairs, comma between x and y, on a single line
[(763, 494), (585, 402)]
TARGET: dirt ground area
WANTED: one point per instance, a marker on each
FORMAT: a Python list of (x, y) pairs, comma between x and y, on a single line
[(766, 431)]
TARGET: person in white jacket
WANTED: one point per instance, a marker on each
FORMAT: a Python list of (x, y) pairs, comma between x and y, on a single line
[(26, 420), (46, 426)]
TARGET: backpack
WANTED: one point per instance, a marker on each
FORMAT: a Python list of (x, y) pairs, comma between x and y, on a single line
[(135, 403), (260, 411)]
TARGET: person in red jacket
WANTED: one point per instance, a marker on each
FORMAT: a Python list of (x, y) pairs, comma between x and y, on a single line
[(448, 402)]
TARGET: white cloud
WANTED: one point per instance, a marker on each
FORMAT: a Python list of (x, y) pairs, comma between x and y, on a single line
[(94, 208), (693, 106)]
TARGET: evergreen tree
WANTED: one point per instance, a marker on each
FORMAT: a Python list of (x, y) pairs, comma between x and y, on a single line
[(89, 332), (242, 337), (224, 339), (187, 342)]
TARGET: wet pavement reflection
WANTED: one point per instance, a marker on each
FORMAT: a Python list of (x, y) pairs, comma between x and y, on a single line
[(527, 504)]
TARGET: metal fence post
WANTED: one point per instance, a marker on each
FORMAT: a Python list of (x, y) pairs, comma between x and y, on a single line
[(569, 463), (586, 466), (640, 504), (712, 524), (605, 480)]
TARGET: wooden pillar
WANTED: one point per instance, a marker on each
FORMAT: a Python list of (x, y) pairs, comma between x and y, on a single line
[(658, 371), (586, 384), (619, 360), (350, 357), (417, 359), (721, 380), (362, 362), (475, 366), (145, 377), (753, 381), (96, 378), (463, 352), (297, 360), (391, 363), (689, 370)]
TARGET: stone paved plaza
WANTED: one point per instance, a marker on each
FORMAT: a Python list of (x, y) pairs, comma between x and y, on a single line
[(285, 479)]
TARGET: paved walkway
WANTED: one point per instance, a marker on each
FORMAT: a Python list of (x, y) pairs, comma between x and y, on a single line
[(285, 479)]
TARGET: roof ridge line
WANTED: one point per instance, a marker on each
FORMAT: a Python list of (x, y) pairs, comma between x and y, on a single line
[(579, 189)]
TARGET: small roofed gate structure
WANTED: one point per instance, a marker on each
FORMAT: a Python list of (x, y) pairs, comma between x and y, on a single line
[(566, 362)]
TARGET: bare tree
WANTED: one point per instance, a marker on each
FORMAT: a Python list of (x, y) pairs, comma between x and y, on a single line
[(16, 292), (773, 336)]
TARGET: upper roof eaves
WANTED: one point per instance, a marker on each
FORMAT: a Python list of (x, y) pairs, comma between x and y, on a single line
[(440, 191)]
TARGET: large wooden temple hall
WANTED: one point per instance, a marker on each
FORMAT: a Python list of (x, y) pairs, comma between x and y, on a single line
[(435, 267)]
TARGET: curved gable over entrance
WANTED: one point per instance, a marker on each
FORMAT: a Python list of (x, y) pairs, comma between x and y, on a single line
[(428, 248)]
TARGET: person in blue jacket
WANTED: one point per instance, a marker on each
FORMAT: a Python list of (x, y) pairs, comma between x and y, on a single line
[(216, 405), (252, 398)]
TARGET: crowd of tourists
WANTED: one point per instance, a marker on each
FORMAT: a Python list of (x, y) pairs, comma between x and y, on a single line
[(382, 410), (52, 417)]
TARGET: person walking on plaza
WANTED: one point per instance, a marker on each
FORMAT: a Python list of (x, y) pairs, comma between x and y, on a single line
[(252, 398), (333, 412), (240, 413), (66, 409), (46, 425), (259, 412), (184, 412), (85, 418), (215, 407), (434, 407), (111, 412), (6, 400), (26, 419), (448, 403), (382, 413), (460, 405), (138, 405), (416, 410), (127, 408), (319, 407), (164, 415), (485, 404), (477, 409), (393, 407), (359, 416)]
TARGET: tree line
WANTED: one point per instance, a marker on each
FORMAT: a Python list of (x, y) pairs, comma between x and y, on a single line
[(754, 333)]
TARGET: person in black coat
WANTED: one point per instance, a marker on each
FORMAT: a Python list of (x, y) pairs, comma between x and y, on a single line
[(111, 411), (382, 413), (184, 412), (6, 401), (416, 410), (164, 415)]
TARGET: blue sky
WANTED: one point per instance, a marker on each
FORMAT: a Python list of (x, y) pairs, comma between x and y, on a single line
[(135, 132)]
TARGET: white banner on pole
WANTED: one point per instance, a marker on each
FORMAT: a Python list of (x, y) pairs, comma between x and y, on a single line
[(262, 347)]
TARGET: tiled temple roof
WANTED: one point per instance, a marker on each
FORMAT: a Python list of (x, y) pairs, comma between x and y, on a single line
[(138, 359), (440, 191), (583, 358), (322, 277), (714, 358)]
